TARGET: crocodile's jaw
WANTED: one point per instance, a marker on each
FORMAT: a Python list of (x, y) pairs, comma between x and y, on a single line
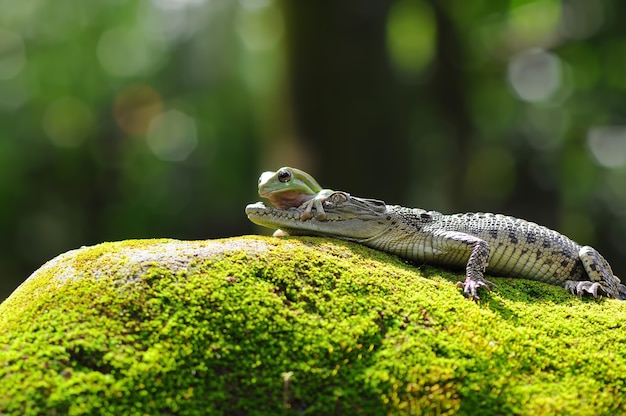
[(344, 225)]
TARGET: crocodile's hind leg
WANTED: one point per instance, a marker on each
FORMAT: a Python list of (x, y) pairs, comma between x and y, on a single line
[(601, 279)]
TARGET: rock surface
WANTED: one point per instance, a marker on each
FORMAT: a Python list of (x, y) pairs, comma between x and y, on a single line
[(258, 326)]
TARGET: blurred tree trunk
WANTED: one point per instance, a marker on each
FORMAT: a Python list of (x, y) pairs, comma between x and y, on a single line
[(448, 87), (346, 102)]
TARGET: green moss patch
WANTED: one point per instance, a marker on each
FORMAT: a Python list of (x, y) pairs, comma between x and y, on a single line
[(259, 326)]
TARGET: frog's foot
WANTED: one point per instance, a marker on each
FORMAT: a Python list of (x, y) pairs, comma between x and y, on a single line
[(308, 208), (316, 202), (471, 286), (586, 287)]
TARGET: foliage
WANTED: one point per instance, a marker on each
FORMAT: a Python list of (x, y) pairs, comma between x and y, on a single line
[(154, 118)]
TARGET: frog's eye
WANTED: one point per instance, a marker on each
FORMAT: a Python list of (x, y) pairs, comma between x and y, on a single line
[(284, 175)]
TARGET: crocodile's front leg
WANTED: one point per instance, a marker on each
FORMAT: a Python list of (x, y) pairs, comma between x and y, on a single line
[(455, 245), (601, 279)]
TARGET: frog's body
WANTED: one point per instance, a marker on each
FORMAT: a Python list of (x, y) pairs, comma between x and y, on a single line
[(290, 188)]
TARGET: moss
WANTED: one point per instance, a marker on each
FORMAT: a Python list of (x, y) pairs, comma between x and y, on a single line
[(256, 325)]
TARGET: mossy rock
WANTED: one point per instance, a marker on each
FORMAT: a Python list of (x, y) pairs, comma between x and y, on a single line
[(259, 326)]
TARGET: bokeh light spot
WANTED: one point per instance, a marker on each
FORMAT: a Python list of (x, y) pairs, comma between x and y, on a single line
[(134, 108), (260, 28), (172, 136), (125, 53), (68, 121), (168, 21), (12, 54), (608, 145), (411, 35), (535, 75), (176, 4), (533, 23)]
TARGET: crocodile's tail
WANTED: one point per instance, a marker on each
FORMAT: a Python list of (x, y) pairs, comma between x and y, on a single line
[(622, 292)]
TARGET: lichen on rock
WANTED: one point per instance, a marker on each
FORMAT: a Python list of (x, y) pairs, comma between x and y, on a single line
[(255, 325)]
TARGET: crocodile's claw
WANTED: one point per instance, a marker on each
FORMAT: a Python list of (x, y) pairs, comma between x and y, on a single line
[(471, 286), (585, 287)]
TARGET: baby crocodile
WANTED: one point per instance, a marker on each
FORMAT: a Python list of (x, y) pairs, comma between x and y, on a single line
[(479, 242)]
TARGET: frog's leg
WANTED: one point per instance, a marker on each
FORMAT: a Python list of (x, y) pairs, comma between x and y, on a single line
[(316, 202)]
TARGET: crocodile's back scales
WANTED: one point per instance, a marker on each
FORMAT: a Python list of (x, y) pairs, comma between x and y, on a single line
[(518, 247)]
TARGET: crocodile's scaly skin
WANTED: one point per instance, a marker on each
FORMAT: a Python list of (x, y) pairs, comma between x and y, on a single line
[(497, 244), (478, 242)]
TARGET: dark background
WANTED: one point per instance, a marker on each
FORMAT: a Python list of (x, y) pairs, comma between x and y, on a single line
[(141, 119)]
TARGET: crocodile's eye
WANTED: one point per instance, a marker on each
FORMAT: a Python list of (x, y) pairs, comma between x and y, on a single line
[(284, 175), (339, 197)]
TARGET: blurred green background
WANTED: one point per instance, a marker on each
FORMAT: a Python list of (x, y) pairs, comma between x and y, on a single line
[(154, 118)]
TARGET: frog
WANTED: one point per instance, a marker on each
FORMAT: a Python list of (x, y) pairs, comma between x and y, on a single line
[(291, 187)]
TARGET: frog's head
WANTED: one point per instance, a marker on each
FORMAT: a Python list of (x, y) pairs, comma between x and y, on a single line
[(287, 187)]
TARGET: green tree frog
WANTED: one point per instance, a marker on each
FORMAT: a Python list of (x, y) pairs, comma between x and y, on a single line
[(291, 187)]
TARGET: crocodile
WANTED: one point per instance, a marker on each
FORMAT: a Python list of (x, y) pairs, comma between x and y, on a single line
[(478, 242)]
